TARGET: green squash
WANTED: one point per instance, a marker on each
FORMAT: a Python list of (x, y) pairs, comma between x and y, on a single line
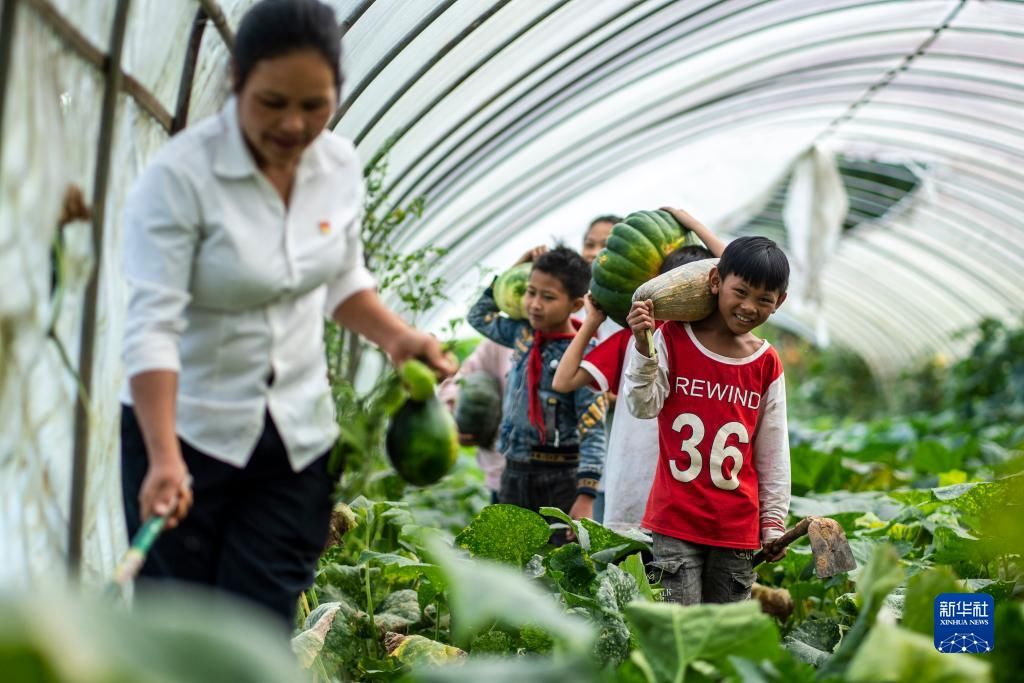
[(509, 289), (478, 408), (636, 249), (422, 441)]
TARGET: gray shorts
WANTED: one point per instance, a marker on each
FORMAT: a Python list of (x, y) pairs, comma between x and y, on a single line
[(691, 573)]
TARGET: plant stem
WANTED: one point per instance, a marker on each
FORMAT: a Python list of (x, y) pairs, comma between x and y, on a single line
[(437, 617), (650, 344)]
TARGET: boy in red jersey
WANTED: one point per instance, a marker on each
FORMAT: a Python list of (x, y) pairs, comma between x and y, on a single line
[(722, 485), (632, 456)]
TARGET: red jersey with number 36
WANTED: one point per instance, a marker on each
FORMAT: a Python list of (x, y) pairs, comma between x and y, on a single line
[(724, 450)]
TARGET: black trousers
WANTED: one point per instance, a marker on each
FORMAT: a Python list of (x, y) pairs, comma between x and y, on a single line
[(255, 532), (533, 485)]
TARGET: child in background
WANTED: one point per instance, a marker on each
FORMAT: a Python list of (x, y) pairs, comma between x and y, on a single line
[(632, 443), (722, 485), (553, 442), (495, 360), (596, 237)]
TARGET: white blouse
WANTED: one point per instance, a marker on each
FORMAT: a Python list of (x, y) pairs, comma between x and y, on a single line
[(229, 287)]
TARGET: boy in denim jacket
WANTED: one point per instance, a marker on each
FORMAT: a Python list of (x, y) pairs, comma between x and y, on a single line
[(553, 442)]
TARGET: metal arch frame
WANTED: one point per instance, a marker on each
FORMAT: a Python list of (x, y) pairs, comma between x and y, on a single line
[(8, 19), (456, 252), (188, 72), (891, 75), (389, 57), (560, 91), (600, 143), (216, 15), (416, 118), (568, 46), (482, 169), (83, 47), (941, 220), (736, 102), (348, 22), (570, 92), (468, 30), (383, 110), (79, 472)]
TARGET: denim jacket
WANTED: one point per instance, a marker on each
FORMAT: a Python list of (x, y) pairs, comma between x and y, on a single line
[(574, 419)]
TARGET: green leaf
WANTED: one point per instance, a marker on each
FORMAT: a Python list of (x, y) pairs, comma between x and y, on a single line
[(505, 533), (571, 569), (874, 582), (493, 643), (173, 635), (894, 655), (672, 638), (922, 589), (506, 670), (481, 593), (616, 589), (932, 456), (634, 566), (604, 539), (829, 504), (418, 651), (813, 641), (1008, 654), (398, 611)]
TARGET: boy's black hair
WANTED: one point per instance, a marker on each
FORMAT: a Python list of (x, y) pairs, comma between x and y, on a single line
[(684, 255), (758, 260), (568, 267), (274, 28)]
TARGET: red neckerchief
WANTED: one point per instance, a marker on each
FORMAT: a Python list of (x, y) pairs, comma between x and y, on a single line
[(534, 370)]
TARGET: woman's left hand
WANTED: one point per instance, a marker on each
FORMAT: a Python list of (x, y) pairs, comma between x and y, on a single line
[(425, 347)]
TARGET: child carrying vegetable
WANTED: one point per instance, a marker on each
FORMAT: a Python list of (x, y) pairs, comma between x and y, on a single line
[(722, 485), (553, 442), (632, 443)]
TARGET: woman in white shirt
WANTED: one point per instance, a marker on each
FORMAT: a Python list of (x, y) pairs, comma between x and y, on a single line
[(239, 237)]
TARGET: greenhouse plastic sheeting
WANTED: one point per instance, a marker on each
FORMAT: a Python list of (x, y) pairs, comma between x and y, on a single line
[(518, 121)]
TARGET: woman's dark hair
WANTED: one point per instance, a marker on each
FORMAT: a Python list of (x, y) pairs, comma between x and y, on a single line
[(566, 266), (684, 255), (609, 218), (759, 261), (272, 28)]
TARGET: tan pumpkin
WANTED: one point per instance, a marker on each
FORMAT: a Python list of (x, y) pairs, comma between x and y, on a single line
[(682, 293)]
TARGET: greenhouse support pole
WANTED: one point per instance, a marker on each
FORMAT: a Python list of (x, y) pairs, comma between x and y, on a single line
[(7, 19), (188, 72), (216, 15), (108, 114)]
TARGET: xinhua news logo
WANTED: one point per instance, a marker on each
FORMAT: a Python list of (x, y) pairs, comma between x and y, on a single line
[(964, 623)]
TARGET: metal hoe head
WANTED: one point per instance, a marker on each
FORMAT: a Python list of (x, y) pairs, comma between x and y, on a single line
[(831, 550)]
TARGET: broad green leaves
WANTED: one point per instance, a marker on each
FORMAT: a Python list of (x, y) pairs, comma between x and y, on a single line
[(505, 533), (672, 639), (896, 655)]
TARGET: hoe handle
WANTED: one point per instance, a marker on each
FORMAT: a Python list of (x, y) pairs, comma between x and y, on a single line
[(785, 539)]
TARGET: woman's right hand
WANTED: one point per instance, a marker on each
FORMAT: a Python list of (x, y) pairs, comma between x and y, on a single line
[(166, 490)]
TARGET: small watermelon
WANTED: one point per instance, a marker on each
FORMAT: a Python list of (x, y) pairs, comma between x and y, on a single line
[(509, 289), (422, 441), (478, 408)]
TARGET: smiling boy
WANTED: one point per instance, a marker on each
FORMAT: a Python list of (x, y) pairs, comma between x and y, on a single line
[(553, 442), (722, 485)]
